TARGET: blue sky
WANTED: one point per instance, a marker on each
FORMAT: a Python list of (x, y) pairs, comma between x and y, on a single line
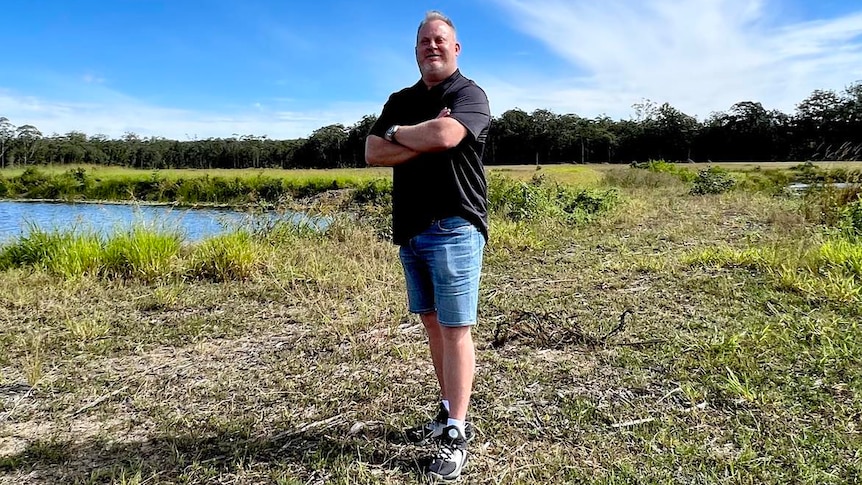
[(214, 68)]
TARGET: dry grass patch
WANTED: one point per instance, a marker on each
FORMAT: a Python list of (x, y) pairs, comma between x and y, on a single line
[(306, 371)]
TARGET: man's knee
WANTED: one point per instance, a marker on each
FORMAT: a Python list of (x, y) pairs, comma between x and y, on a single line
[(455, 334), (429, 320)]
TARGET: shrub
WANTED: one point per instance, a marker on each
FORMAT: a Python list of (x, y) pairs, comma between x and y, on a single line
[(539, 198), (850, 219), (812, 174), (193, 190), (808, 173), (713, 180), (120, 188), (309, 187), (376, 192), (627, 177), (770, 181), (661, 166), (267, 188), (227, 190), (832, 207)]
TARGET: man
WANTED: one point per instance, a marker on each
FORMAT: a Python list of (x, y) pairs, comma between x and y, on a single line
[(433, 134)]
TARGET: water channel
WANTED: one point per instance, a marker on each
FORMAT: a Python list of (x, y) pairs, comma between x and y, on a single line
[(17, 218)]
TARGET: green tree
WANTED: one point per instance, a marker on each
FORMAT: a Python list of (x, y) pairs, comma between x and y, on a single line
[(7, 135), (28, 137), (675, 131), (354, 147), (542, 133), (323, 147)]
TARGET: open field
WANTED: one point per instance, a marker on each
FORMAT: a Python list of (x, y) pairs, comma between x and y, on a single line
[(520, 171), (674, 339), (527, 169)]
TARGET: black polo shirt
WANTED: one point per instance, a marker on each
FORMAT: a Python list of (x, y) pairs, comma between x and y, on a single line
[(443, 184)]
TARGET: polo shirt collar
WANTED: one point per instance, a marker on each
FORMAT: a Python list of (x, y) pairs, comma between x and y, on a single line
[(443, 86)]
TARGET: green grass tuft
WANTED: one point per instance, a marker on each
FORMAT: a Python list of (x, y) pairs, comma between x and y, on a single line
[(233, 256), (141, 253)]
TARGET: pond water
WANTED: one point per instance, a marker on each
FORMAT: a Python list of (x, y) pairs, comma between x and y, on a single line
[(800, 187), (16, 218)]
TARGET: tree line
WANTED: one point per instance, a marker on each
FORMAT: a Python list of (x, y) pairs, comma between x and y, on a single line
[(827, 125)]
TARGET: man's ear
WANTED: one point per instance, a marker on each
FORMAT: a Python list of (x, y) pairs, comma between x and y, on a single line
[(457, 48)]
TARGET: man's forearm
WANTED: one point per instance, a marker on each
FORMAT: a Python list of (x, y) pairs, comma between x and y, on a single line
[(381, 153), (435, 135)]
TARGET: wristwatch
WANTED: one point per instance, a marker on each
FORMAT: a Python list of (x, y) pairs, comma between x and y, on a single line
[(390, 134)]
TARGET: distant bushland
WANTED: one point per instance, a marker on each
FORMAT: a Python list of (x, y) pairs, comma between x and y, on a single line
[(827, 125)]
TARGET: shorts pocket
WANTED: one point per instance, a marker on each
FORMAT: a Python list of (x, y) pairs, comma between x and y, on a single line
[(453, 224)]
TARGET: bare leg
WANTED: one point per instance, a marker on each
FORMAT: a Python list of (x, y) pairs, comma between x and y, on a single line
[(435, 342), (459, 365)]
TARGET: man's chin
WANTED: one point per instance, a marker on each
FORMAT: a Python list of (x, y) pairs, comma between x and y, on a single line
[(436, 71)]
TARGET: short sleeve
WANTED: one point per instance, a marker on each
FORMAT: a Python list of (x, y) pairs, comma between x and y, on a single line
[(470, 107), (386, 119)]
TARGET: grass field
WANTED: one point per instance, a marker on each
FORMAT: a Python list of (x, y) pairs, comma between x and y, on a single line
[(580, 175), (674, 339)]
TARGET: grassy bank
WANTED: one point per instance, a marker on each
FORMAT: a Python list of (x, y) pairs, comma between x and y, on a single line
[(270, 187), (635, 335), (186, 187)]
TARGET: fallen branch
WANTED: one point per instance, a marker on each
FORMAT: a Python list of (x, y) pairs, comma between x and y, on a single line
[(620, 327), (628, 424), (99, 401), (638, 343), (17, 403), (302, 429)]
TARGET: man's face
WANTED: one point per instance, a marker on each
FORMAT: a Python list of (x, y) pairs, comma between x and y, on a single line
[(437, 51)]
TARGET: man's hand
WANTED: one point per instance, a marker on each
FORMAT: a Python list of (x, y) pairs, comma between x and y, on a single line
[(439, 134)]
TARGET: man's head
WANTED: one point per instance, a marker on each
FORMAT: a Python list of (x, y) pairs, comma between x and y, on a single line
[(437, 48)]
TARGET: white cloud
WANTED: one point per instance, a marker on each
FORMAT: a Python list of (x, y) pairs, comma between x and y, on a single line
[(90, 78), (117, 114), (699, 55)]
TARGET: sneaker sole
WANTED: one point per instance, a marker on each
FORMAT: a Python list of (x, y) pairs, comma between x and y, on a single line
[(435, 478)]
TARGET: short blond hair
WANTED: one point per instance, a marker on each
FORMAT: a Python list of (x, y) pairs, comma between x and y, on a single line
[(431, 16)]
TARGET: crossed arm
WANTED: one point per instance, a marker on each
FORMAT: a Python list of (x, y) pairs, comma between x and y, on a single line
[(437, 135)]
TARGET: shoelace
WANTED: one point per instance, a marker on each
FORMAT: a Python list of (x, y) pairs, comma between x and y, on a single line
[(447, 452)]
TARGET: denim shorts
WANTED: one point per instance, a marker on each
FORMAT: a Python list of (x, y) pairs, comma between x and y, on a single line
[(442, 266)]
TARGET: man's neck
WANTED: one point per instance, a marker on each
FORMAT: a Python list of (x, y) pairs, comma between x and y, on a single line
[(431, 84)]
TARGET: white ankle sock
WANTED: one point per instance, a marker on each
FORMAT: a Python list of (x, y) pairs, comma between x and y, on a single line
[(457, 423), (445, 404)]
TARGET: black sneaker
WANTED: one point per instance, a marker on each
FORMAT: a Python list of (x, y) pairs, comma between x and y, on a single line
[(433, 430), (451, 457)]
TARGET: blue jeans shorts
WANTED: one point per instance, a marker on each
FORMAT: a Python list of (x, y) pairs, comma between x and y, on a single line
[(442, 266)]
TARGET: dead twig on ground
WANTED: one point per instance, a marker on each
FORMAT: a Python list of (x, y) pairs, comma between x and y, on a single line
[(100, 400)]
